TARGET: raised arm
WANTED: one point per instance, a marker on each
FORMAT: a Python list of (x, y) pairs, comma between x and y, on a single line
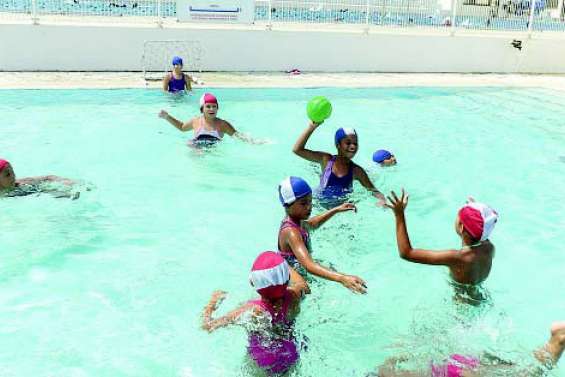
[(209, 324), (175, 122), (317, 221), (299, 147), (361, 175), (354, 283), (405, 250)]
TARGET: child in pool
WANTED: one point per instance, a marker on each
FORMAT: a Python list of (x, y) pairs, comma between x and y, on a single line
[(177, 81), (384, 158), (469, 265), (468, 366), (271, 342), (208, 128), (12, 187), (294, 240), (338, 172)]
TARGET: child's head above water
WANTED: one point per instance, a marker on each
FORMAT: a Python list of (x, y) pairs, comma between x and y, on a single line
[(7, 176), (270, 275), (346, 142), (476, 220), (177, 60), (209, 104), (296, 196), (384, 158)]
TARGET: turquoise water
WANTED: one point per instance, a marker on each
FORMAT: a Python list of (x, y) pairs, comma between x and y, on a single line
[(113, 284)]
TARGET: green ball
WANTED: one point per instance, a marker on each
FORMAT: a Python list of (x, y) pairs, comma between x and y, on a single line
[(319, 109)]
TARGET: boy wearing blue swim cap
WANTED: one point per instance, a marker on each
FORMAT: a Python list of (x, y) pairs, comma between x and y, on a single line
[(294, 237), (384, 158), (338, 171)]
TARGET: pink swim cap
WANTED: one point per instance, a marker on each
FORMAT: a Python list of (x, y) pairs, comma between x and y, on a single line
[(270, 275), (208, 98), (478, 219), (3, 164)]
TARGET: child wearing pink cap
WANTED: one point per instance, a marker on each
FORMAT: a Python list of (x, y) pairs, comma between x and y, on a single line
[(271, 343), (12, 187), (208, 128), (458, 365), (469, 265)]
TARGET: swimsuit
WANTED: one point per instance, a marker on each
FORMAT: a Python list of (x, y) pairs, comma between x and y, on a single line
[(455, 366), (176, 85), (24, 190), (332, 186), (203, 136), (289, 255), (272, 352)]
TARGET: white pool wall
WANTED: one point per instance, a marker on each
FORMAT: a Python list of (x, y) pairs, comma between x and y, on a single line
[(111, 47)]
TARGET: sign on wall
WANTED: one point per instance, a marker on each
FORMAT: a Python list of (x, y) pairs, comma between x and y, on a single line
[(235, 11)]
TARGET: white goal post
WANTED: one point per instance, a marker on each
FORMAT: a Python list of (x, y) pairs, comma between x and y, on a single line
[(157, 57)]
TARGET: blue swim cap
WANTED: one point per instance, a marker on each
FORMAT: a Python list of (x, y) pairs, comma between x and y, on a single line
[(177, 60), (292, 189), (381, 155), (343, 132)]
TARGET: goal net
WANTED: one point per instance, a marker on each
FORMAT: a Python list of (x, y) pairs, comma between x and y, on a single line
[(157, 57)]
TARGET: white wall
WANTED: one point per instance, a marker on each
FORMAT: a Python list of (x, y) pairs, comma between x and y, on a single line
[(119, 48)]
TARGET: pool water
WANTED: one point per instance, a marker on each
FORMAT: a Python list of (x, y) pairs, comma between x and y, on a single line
[(113, 284)]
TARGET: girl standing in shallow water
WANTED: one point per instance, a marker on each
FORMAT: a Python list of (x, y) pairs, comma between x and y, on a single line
[(208, 128), (338, 171)]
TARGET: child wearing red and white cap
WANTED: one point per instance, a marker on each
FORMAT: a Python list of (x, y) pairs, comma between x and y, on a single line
[(471, 263), (208, 128), (271, 342), (12, 187)]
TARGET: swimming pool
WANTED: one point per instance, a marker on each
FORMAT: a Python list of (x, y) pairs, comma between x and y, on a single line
[(113, 284)]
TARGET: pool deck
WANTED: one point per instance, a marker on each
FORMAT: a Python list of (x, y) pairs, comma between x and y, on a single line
[(114, 80)]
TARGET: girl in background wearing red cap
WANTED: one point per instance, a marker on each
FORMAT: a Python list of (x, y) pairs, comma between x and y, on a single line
[(11, 187), (470, 265), (269, 319), (208, 128)]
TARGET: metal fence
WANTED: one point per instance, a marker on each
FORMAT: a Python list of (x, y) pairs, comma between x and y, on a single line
[(524, 15)]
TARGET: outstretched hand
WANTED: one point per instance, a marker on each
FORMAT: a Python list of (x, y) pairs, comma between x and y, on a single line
[(346, 207), (381, 202), (354, 284), (396, 204), (163, 114)]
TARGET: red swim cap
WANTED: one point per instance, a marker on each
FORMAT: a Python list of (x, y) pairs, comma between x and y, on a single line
[(3, 164), (478, 219), (270, 275), (208, 98)]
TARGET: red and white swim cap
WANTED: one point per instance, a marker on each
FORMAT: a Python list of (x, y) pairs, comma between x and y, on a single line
[(3, 164), (208, 98), (478, 219), (270, 275)]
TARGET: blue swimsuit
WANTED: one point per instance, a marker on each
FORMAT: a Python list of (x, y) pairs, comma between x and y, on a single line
[(332, 186), (176, 85)]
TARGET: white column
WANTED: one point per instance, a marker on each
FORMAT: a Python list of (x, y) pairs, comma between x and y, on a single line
[(531, 19), (560, 9)]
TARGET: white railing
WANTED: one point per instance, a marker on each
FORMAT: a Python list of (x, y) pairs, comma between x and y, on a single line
[(521, 15)]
